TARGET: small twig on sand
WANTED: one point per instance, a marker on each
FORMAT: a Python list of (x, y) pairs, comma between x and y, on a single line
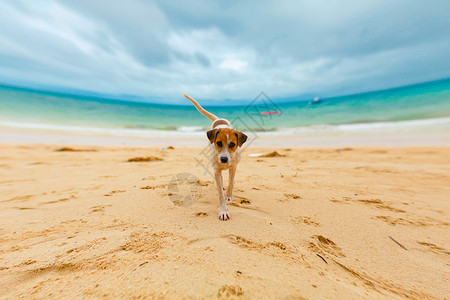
[(397, 243), (143, 264), (322, 258)]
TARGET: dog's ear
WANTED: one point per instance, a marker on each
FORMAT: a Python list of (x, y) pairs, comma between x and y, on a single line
[(211, 134), (241, 138)]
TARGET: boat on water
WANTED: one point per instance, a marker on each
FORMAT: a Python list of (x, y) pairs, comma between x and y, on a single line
[(315, 100)]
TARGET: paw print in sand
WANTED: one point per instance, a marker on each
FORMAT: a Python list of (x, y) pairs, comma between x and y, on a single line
[(230, 292)]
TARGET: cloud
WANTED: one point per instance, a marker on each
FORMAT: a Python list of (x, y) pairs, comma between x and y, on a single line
[(233, 64), (223, 50)]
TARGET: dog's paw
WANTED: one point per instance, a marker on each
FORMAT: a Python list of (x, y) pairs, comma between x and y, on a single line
[(224, 215)]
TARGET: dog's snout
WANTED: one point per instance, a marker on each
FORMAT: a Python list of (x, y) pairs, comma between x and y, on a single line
[(224, 159)]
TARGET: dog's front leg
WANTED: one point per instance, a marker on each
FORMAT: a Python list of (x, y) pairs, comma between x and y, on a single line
[(231, 173), (223, 213)]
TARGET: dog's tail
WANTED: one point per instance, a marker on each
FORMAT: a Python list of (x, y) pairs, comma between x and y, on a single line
[(201, 109)]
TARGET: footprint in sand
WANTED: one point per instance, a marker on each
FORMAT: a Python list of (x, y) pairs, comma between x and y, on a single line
[(230, 292), (99, 208), (201, 214), (144, 159), (434, 248), (28, 262), (344, 200), (58, 201), (393, 221), (94, 187), (245, 243), (204, 183), (241, 241), (243, 200), (380, 204), (322, 245), (115, 192), (277, 245), (304, 220), (20, 198), (148, 187), (63, 268), (371, 202), (289, 197)]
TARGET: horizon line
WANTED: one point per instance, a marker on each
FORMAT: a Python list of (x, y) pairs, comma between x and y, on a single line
[(87, 95)]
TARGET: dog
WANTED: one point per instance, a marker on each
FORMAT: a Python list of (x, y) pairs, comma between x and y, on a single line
[(225, 144)]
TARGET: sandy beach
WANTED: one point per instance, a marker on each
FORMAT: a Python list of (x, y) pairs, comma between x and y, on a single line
[(108, 111), (313, 223)]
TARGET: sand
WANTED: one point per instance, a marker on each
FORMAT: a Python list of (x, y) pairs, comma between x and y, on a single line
[(312, 224)]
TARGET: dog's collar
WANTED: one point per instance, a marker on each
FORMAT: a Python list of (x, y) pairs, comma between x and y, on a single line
[(221, 126), (221, 123)]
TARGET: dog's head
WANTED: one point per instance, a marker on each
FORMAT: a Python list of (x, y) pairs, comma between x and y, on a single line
[(226, 141)]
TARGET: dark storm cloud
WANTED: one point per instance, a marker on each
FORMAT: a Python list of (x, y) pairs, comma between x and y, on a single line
[(223, 49)]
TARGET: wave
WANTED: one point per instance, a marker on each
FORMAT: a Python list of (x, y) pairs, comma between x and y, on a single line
[(91, 130), (391, 126), (197, 131)]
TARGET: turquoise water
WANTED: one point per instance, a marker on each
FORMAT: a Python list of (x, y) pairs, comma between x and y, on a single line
[(31, 108)]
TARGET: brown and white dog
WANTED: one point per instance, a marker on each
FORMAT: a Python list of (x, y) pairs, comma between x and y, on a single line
[(226, 144)]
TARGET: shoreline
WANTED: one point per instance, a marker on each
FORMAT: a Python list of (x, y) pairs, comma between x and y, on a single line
[(416, 138)]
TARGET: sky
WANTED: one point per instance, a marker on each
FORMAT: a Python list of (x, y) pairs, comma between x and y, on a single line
[(223, 50)]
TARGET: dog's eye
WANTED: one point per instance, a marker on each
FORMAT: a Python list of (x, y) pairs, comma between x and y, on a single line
[(232, 145), (219, 144)]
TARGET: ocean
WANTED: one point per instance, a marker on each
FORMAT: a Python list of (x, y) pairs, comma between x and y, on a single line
[(426, 103)]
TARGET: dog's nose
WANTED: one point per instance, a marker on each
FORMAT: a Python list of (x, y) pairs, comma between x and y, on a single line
[(224, 159)]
